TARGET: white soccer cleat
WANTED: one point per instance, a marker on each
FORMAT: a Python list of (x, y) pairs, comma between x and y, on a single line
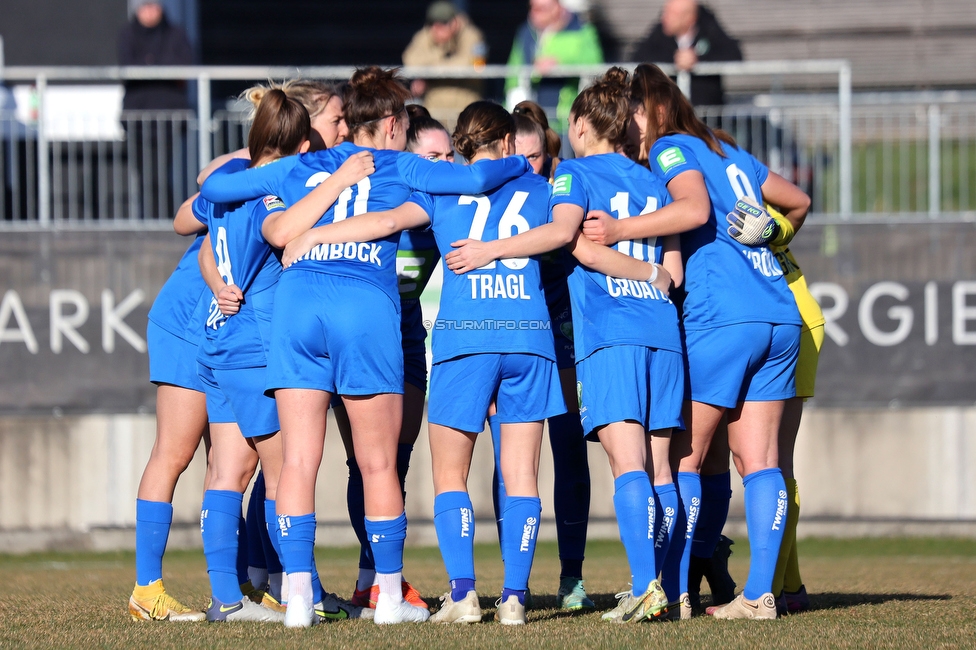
[(762, 609), (511, 612), (466, 610), (300, 612), (389, 611)]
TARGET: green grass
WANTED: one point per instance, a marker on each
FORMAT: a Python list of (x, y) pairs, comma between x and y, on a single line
[(886, 593)]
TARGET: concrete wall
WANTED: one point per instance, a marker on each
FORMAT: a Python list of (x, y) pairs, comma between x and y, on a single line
[(71, 482)]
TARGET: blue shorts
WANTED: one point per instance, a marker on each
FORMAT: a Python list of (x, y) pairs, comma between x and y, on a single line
[(237, 395), (414, 341), (336, 334), (630, 382), (561, 316), (525, 387), (745, 362), (172, 360)]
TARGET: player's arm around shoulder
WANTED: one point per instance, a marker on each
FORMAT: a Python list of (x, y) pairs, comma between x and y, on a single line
[(361, 228)]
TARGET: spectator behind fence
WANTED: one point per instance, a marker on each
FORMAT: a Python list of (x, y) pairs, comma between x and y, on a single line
[(686, 34), (448, 39), (553, 36), (150, 39), (159, 177)]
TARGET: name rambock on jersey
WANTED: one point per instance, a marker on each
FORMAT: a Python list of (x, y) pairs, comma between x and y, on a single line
[(501, 306), (397, 175), (607, 310)]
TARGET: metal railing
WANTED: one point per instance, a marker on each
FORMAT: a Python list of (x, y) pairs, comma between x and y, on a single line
[(139, 173)]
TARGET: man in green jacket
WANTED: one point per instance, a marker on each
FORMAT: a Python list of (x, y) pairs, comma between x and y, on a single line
[(553, 36)]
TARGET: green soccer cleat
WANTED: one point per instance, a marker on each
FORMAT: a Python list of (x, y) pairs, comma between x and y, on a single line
[(572, 596)]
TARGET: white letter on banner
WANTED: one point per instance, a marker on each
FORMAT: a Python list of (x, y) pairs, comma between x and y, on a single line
[(931, 313), (11, 304), (961, 313), (832, 313), (901, 313), (65, 325), (112, 320)]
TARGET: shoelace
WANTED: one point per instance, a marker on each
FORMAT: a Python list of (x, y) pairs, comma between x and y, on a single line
[(166, 602)]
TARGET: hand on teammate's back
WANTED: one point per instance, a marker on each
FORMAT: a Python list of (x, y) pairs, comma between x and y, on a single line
[(468, 255), (356, 167), (600, 228), (229, 299), (663, 280)]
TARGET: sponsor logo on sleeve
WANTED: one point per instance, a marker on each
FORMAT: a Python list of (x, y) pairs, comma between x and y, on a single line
[(273, 203), (562, 185), (670, 157)]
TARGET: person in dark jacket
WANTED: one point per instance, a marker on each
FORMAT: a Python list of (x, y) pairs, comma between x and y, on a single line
[(150, 39), (160, 174), (686, 34)]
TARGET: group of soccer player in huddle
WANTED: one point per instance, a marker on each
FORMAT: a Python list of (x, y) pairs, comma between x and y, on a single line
[(640, 295)]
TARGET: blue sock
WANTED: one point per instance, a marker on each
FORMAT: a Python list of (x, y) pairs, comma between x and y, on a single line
[(520, 521), (766, 501), (633, 500), (518, 593), (716, 493), (272, 551), (219, 526), (679, 555), (497, 482), (256, 526), (357, 513), (297, 540), (460, 588), (671, 569), (318, 593), (692, 508), (242, 549), (153, 521), (403, 465), (454, 523), (666, 503), (571, 491), (386, 539)]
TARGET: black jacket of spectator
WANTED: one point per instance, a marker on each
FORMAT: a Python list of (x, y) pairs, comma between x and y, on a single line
[(164, 44), (710, 44)]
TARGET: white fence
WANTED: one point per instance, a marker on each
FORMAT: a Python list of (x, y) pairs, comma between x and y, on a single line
[(68, 164)]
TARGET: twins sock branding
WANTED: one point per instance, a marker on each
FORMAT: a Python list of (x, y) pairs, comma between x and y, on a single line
[(528, 534), (662, 534), (692, 517), (781, 506), (466, 517), (650, 517)]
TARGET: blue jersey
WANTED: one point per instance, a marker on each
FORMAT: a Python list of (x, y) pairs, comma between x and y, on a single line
[(246, 260), (397, 175), (416, 258), (181, 304), (726, 282), (609, 311), (499, 307)]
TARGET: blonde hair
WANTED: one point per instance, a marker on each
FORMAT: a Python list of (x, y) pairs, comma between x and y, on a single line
[(313, 95)]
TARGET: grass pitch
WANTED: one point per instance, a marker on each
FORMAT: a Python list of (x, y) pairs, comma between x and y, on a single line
[(889, 593)]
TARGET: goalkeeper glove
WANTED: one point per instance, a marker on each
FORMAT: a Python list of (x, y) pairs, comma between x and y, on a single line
[(751, 225)]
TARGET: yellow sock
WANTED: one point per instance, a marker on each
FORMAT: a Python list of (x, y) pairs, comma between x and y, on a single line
[(791, 578), (788, 548)]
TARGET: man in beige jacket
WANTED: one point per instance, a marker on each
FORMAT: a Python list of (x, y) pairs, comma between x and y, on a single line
[(447, 39)]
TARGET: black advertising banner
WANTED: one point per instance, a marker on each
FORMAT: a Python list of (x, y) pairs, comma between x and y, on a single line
[(73, 309), (900, 304), (899, 298)]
